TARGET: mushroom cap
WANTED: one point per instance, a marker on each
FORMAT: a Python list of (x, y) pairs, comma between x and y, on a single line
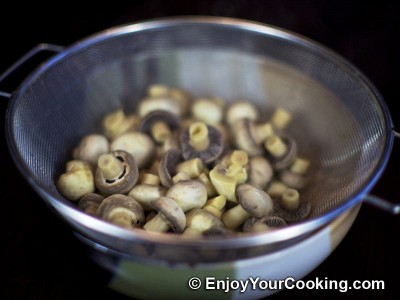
[(167, 166), (125, 182), (171, 212), (240, 110), (119, 203), (288, 157), (166, 117), (270, 221), (138, 144), (291, 216), (261, 172), (90, 200), (217, 232), (243, 134), (293, 180), (188, 194), (91, 147), (202, 220), (210, 154), (254, 200)]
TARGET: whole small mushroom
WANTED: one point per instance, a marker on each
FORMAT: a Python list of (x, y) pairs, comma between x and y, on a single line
[(249, 135), (89, 203), (202, 220), (145, 194), (167, 167), (121, 210), (117, 173), (202, 141), (188, 194), (282, 150), (239, 110), (117, 123), (138, 144), (160, 125), (260, 172), (91, 147), (77, 180), (169, 216), (296, 175), (291, 207), (208, 110), (252, 202)]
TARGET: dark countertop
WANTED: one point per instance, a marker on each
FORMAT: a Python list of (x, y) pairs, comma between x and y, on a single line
[(41, 257)]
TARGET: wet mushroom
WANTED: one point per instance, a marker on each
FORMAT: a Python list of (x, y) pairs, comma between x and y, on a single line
[(263, 224), (282, 150), (291, 207), (121, 210), (252, 202), (116, 123), (202, 220), (138, 144), (209, 111), (296, 175), (89, 203), (160, 103), (239, 110), (77, 181), (249, 135), (91, 147), (117, 173), (215, 205), (167, 167), (281, 118), (202, 141), (160, 125), (188, 194), (169, 216), (260, 172), (145, 194)]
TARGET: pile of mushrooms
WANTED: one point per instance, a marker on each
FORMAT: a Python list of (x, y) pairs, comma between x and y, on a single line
[(198, 167)]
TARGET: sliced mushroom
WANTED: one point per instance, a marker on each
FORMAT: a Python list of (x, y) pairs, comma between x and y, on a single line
[(117, 173), (249, 135), (282, 150), (260, 172), (77, 181), (265, 223), (202, 220), (170, 216), (239, 110), (90, 202), (145, 194), (252, 202), (202, 141), (167, 166), (138, 144), (91, 147), (160, 125), (225, 179), (121, 210), (188, 194)]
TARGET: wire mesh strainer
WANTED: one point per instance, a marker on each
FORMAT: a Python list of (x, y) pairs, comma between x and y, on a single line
[(340, 121)]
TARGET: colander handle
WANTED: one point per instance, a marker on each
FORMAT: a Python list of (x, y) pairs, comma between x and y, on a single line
[(383, 204), (27, 56)]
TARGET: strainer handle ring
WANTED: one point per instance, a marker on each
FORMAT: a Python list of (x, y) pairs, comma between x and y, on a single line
[(27, 56)]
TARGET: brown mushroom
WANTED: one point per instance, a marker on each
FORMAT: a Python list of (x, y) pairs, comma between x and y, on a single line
[(169, 216), (138, 144), (160, 125), (282, 150), (145, 194), (265, 223), (291, 207), (117, 173), (91, 147), (121, 210), (167, 166), (202, 141), (90, 202), (249, 135), (252, 202), (260, 172)]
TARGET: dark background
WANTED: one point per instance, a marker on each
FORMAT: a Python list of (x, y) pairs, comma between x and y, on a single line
[(43, 260)]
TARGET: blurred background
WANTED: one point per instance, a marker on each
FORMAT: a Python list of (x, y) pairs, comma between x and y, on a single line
[(41, 257)]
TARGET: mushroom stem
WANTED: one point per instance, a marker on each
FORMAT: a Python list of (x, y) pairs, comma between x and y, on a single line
[(192, 167), (290, 199), (276, 188), (160, 132), (157, 224), (110, 166), (122, 217), (275, 146), (239, 157), (235, 217), (262, 132), (198, 136), (300, 166), (281, 118)]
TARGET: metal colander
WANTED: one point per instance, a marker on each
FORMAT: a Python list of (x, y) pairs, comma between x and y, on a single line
[(339, 119)]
